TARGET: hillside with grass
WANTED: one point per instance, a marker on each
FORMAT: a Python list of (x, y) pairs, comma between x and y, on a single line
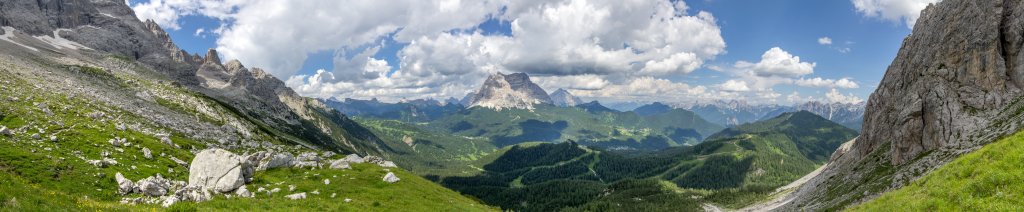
[(737, 167), (989, 179), (72, 121), (430, 153)]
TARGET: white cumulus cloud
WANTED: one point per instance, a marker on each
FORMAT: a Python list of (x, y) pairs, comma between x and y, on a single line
[(825, 41), (778, 63), (906, 11), (827, 83), (587, 45), (734, 85), (835, 96)]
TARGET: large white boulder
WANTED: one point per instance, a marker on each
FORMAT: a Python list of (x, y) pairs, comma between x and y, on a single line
[(391, 178), (217, 170)]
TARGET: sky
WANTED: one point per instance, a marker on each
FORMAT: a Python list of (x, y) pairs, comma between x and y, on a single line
[(673, 51)]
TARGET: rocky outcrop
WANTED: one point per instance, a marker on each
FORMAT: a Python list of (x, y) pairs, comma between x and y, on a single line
[(954, 85), (563, 98), (154, 186), (5, 132), (353, 158), (340, 164), (124, 185), (509, 91), (307, 160), (218, 170), (265, 160)]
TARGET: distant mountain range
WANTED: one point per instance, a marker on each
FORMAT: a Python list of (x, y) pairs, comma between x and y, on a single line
[(733, 113), (563, 98), (517, 91)]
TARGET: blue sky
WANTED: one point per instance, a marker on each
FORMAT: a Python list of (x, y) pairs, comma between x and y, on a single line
[(336, 54)]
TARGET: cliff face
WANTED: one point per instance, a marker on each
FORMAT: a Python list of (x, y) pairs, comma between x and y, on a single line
[(954, 85), (951, 75), (104, 25)]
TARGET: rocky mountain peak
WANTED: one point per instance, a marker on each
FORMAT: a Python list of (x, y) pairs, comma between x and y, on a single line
[(509, 91), (212, 57), (563, 98)]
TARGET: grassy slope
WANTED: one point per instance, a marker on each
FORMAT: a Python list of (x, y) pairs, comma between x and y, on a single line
[(40, 175), (990, 179), (429, 153), (362, 184)]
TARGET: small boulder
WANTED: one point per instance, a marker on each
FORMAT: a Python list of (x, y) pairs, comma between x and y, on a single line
[(178, 161), (218, 170), (387, 164), (327, 181), (340, 164), (243, 192), (53, 138), (373, 159), (269, 160), (35, 136), (166, 140), (105, 162), (391, 178), (5, 132), (147, 153), (379, 161), (297, 196), (154, 186), (169, 200), (124, 185), (353, 158), (192, 193), (118, 142)]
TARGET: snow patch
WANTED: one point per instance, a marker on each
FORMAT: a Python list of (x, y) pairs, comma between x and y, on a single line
[(9, 35), (60, 43)]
